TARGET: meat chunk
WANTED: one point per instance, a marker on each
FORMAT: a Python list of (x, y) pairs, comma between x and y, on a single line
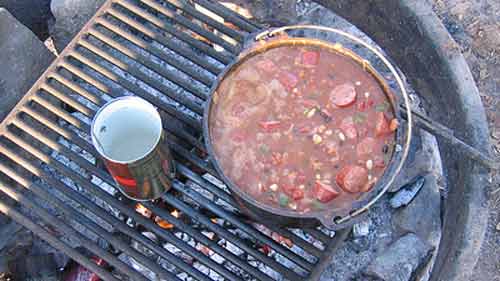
[(366, 147), (381, 125), (348, 128), (352, 178), (343, 95), (288, 79), (324, 192), (310, 58)]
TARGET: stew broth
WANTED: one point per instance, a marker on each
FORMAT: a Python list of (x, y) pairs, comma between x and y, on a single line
[(302, 128)]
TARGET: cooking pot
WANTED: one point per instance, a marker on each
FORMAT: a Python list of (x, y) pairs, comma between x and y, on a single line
[(335, 217)]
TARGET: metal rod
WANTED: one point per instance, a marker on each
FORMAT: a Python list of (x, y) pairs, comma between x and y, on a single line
[(58, 111), (146, 79), (66, 99), (122, 82), (206, 241), (223, 56), (318, 235), (230, 237), (54, 242), (229, 15), (76, 88), (189, 9), (169, 75), (179, 49), (241, 225), (180, 19), (299, 241), (446, 133), (175, 62), (331, 247)]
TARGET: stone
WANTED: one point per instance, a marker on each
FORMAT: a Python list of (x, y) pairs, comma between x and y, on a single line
[(423, 215), (70, 17), (421, 164), (34, 14), (361, 228), (406, 194), (401, 260), (23, 59)]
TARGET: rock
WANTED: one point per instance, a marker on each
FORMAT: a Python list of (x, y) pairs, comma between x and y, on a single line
[(23, 60), (406, 194), (423, 215), (362, 228), (401, 260), (70, 17), (422, 164), (34, 14)]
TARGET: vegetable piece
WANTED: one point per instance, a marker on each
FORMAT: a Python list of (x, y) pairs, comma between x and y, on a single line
[(359, 117), (369, 185), (267, 65), (348, 128), (317, 139), (310, 58), (324, 192), (269, 126), (381, 125), (366, 147), (343, 95), (288, 79), (393, 125), (352, 178), (297, 194), (283, 200), (382, 106)]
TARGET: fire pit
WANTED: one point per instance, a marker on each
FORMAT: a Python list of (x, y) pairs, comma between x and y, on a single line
[(169, 53)]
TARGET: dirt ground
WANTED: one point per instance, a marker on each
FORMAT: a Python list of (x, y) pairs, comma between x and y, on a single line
[(475, 25)]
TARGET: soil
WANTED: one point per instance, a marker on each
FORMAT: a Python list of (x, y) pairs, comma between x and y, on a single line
[(475, 25)]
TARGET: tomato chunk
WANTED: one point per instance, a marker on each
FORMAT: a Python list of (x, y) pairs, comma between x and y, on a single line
[(267, 65), (293, 192), (381, 125), (352, 178), (366, 147), (324, 192), (347, 126), (288, 79), (310, 58), (269, 125), (343, 95)]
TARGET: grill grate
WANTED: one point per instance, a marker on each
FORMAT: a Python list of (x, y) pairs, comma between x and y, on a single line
[(169, 53)]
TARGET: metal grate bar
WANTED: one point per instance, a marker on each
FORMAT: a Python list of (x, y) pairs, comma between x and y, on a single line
[(227, 14), (155, 51), (185, 52), (118, 80), (82, 220), (59, 224), (222, 56), (178, 18), (184, 189), (182, 5), (53, 241), (116, 204), (185, 84), (76, 88), (231, 237), (210, 243), (138, 74)]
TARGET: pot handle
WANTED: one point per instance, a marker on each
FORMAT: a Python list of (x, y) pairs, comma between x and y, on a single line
[(340, 222), (335, 223)]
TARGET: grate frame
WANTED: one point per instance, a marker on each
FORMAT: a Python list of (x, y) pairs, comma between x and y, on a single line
[(25, 148)]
